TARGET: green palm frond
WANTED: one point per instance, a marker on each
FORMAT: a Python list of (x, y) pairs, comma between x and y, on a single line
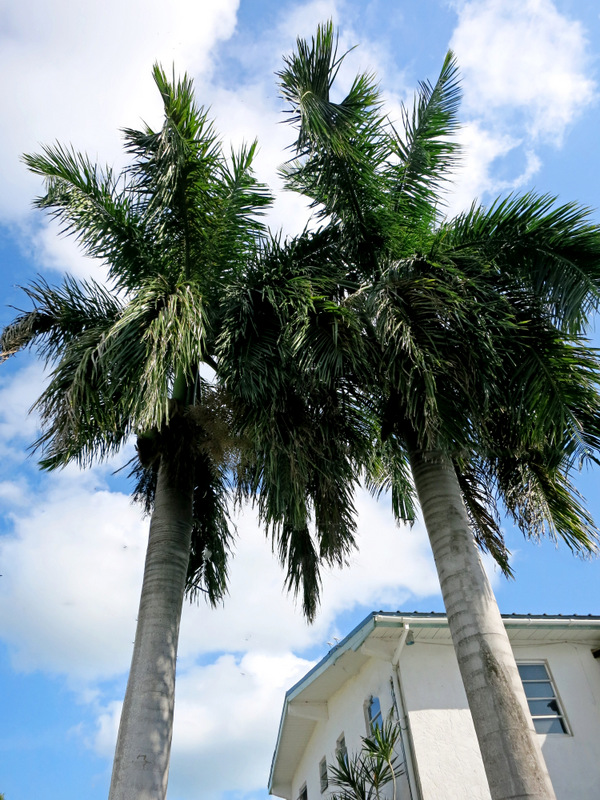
[(543, 502), (306, 84), (553, 250), (93, 205), (387, 470), (213, 534), (367, 774), (59, 316), (340, 146), (174, 168), (426, 153), (161, 332), (478, 491)]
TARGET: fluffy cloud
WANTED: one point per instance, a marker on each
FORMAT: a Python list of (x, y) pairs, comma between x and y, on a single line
[(79, 77), (525, 75), (82, 548), (226, 714), (527, 56), (73, 570)]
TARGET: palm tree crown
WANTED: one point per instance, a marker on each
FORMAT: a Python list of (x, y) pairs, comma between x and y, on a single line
[(475, 326)]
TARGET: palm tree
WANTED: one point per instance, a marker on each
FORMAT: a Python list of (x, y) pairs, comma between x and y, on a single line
[(176, 230), (368, 774), (474, 357)]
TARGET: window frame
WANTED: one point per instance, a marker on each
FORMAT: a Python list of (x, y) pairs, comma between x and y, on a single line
[(341, 748), (323, 775), (303, 793), (560, 713), (375, 721)]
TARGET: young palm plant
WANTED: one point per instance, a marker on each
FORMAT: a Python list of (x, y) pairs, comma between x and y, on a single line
[(371, 773), (473, 358), (141, 356)]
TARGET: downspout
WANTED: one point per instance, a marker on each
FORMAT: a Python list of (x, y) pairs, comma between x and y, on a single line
[(412, 769)]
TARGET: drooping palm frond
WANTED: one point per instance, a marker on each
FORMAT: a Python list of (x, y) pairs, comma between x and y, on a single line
[(554, 250), (197, 445), (309, 437), (59, 315), (387, 470), (482, 509)]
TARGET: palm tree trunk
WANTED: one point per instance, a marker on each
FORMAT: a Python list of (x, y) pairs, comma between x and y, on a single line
[(510, 749), (141, 765)]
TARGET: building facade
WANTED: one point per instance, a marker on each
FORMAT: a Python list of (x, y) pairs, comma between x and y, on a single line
[(403, 666)]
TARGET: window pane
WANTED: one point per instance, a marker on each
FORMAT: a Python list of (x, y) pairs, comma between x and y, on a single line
[(323, 774), (374, 708), (541, 689), (549, 725), (532, 672), (543, 708)]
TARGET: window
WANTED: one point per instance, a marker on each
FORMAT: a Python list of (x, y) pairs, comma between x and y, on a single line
[(324, 781), (394, 701), (341, 751), (374, 717), (303, 795), (542, 700)]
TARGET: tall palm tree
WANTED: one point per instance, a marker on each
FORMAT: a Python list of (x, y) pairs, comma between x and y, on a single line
[(474, 354), (140, 356)]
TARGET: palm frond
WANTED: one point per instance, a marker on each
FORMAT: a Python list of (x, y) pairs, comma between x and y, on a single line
[(59, 315), (426, 153), (553, 250), (94, 206), (366, 774), (340, 146)]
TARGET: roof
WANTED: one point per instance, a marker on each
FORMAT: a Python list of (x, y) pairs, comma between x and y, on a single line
[(306, 702)]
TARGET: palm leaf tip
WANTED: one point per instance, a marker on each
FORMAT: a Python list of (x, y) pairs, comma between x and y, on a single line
[(19, 334)]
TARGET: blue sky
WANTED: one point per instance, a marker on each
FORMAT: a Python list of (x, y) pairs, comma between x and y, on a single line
[(71, 544)]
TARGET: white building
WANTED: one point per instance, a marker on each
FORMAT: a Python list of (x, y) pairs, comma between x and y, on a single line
[(405, 665)]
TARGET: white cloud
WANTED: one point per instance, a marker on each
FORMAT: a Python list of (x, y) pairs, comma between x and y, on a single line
[(18, 393), (76, 76), (526, 55), (482, 148), (73, 570), (525, 71), (82, 548)]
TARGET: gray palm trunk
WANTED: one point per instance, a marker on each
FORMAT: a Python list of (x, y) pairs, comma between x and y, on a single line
[(510, 749), (141, 764)]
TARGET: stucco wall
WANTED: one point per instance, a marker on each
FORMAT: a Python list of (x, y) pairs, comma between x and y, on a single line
[(446, 747), (447, 754)]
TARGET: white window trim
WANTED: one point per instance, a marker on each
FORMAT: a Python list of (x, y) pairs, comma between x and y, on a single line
[(368, 720), (561, 706), (323, 775)]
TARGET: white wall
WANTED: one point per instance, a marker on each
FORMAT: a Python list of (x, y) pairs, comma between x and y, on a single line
[(447, 754), (445, 745), (346, 715), (446, 748)]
